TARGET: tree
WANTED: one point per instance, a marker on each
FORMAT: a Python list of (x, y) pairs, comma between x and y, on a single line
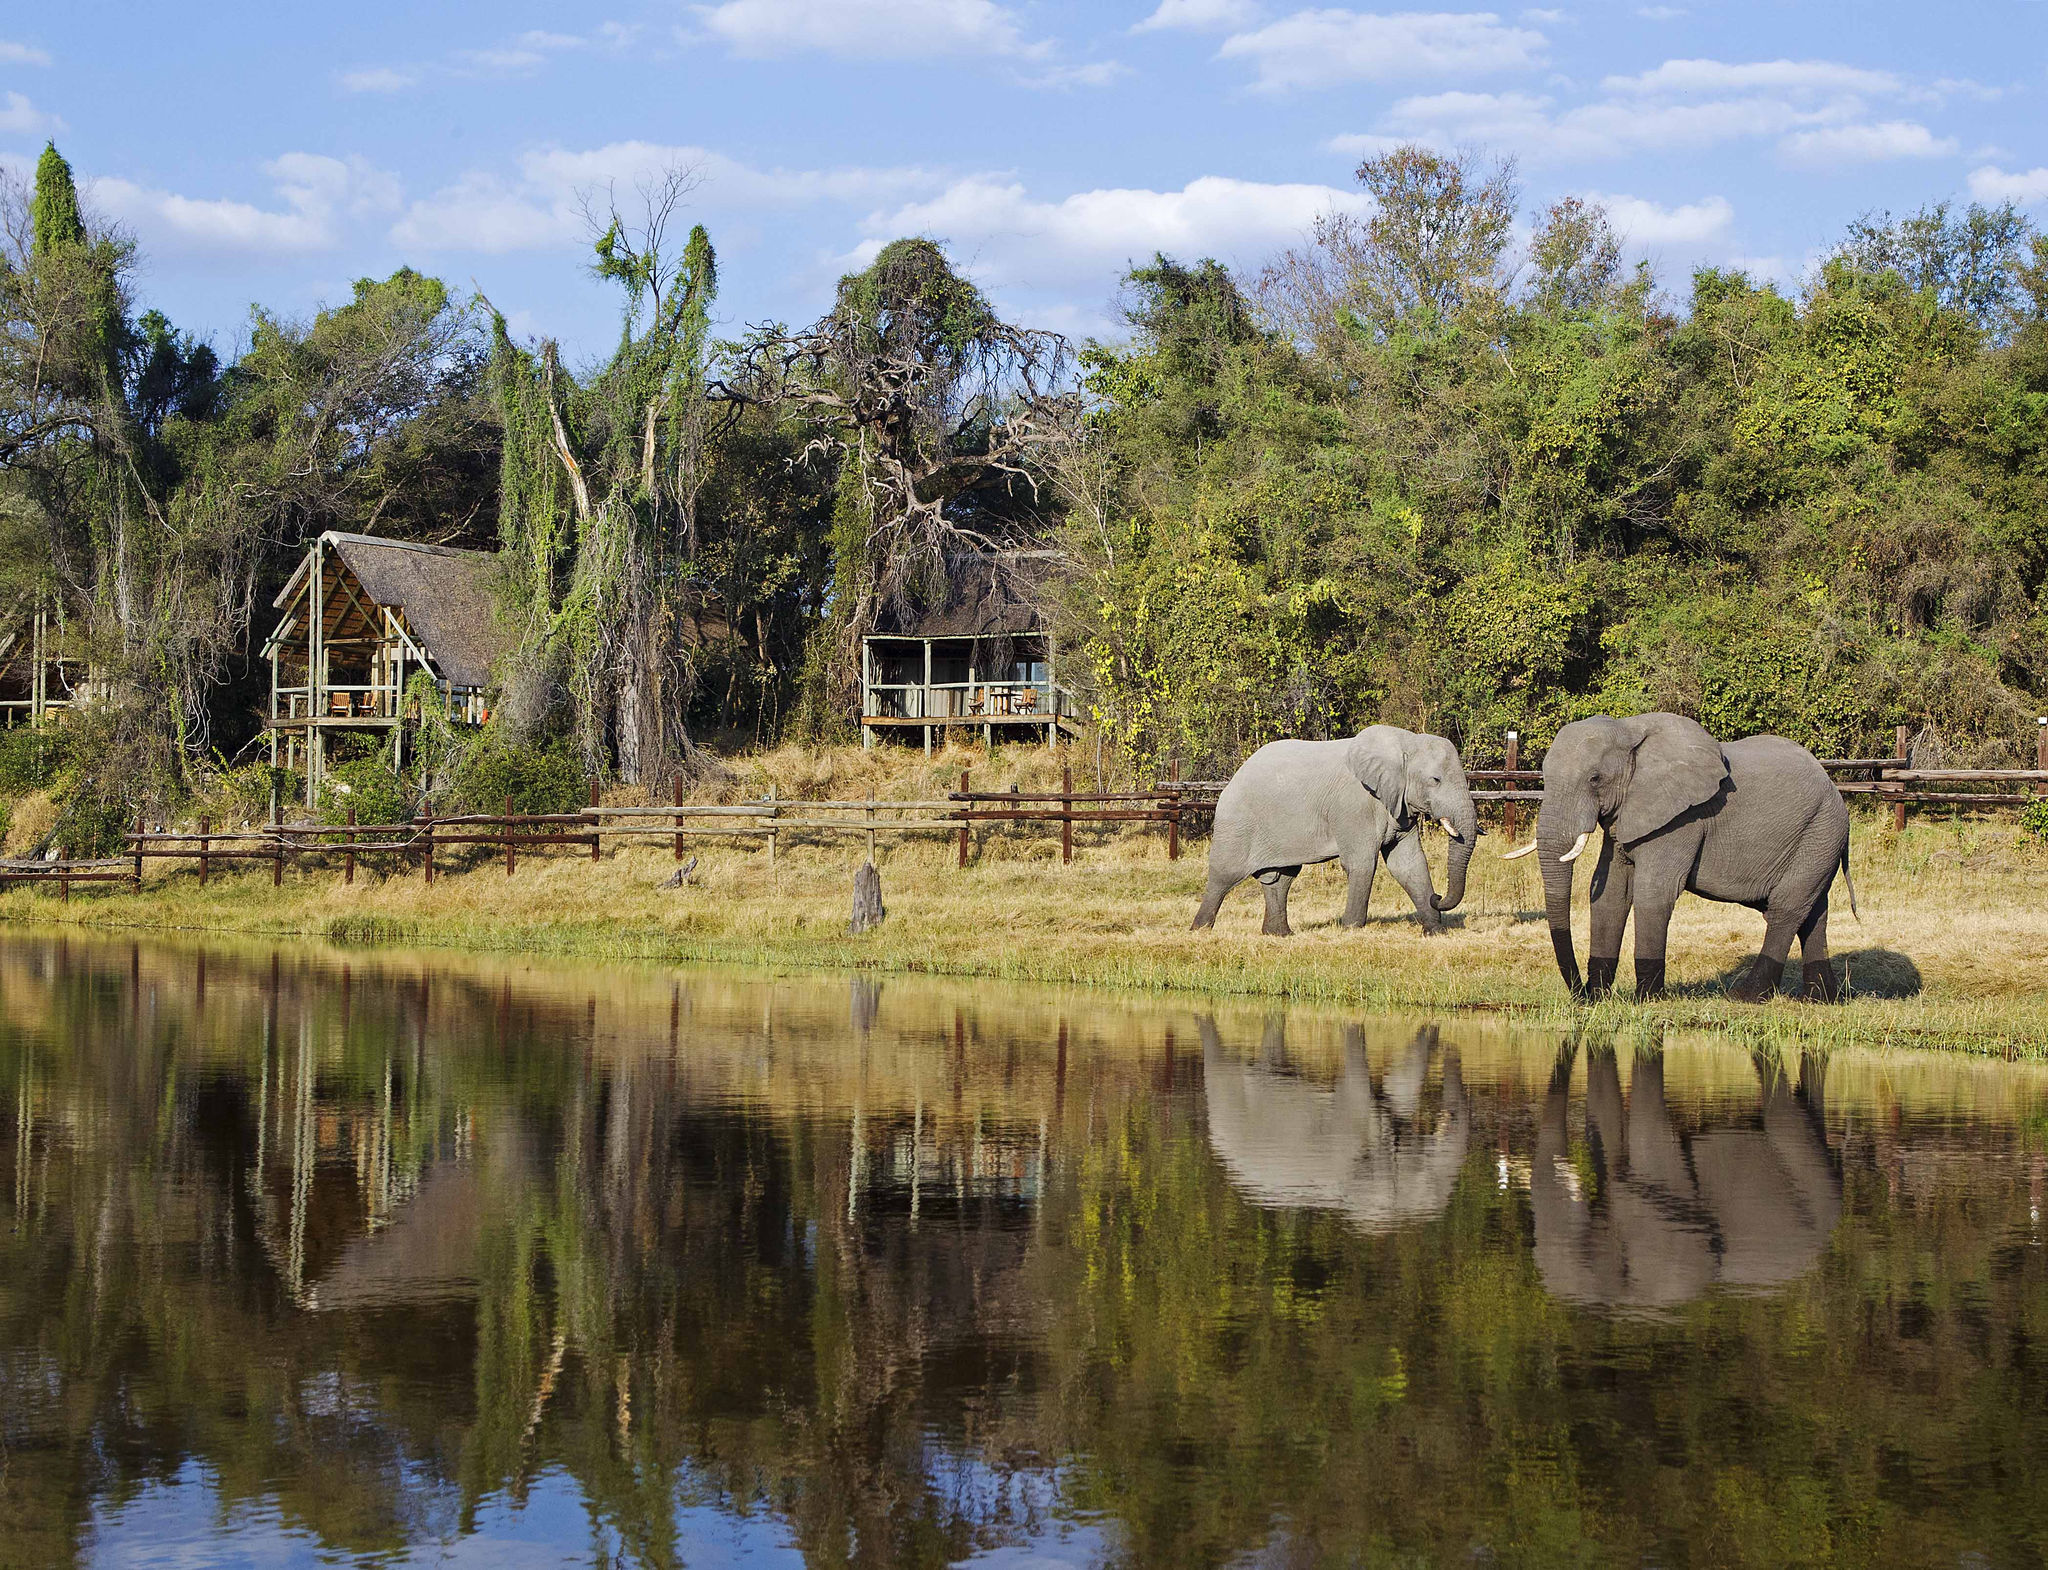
[(936, 411), (1973, 262)]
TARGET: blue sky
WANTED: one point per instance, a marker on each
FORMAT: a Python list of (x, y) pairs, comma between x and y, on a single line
[(271, 153)]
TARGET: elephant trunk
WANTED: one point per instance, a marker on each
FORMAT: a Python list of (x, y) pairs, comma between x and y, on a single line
[(1555, 836), (1464, 817)]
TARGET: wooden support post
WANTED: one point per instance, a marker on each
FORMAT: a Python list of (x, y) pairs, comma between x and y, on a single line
[(348, 861), (964, 806), (871, 828), (204, 825), (1899, 752), (679, 812), (426, 829), (277, 861), (141, 828), (1067, 813), (1173, 829), (771, 825), (511, 855), (596, 851), (1511, 811), (2041, 753), (64, 889)]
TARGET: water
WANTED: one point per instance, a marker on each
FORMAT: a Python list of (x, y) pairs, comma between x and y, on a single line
[(310, 1258)]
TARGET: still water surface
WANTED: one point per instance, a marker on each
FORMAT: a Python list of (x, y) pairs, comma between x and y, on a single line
[(309, 1258)]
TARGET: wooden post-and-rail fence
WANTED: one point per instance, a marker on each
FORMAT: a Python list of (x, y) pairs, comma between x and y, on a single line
[(1173, 805)]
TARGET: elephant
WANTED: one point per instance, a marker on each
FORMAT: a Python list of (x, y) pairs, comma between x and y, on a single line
[(1287, 1143), (1294, 803), (1756, 822), (1665, 1215)]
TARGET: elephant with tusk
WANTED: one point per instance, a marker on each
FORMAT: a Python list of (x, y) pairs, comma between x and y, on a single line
[(1294, 803), (1756, 822)]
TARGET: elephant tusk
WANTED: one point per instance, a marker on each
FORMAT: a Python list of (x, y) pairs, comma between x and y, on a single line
[(1517, 855), (1450, 828), (1577, 845)]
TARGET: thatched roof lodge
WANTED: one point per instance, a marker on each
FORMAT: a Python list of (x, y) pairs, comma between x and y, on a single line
[(386, 610), (976, 655)]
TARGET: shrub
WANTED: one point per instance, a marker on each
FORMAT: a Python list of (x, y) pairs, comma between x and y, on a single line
[(369, 786), (29, 758), (538, 779), (91, 823), (2034, 820)]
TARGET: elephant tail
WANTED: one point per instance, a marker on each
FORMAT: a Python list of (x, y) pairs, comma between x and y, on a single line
[(1851, 882)]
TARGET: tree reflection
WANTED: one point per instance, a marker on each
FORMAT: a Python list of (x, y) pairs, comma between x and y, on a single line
[(380, 1250)]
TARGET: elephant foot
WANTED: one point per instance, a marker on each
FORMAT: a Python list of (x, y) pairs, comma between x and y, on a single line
[(1760, 983), (1272, 929), (1600, 976), (1817, 982), (1649, 979)]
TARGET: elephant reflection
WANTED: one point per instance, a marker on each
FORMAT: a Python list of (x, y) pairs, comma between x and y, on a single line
[(1653, 1217), (1289, 1144)]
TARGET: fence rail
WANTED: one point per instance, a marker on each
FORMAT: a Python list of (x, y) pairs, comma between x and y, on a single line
[(1174, 805)]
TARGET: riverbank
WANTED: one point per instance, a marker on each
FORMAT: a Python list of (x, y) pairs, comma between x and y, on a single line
[(1951, 949)]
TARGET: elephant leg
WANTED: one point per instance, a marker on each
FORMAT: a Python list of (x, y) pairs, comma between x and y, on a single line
[(1612, 886), (1655, 899), (1220, 884), (1360, 868), (1277, 881), (1769, 968), (1816, 972), (1411, 870)]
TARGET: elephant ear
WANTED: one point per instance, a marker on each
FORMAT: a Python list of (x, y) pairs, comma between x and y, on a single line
[(1677, 767), (1378, 755)]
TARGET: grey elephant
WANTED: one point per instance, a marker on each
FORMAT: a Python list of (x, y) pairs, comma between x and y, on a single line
[(1754, 822), (1371, 1155), (1294, 803), (1667, 1215)]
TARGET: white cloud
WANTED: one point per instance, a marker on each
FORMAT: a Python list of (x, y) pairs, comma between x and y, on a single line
[(537, 207), (1645, 223), (1200, 15), (525, 52), (1660, 13), (12, 53), (378, 79), (19, 117), (1097, 73), (1545, 18), (1799, 77), (317, 192), (1010, 238), (1992, 184), (866, 29), (1838, 144), (1328, 48)]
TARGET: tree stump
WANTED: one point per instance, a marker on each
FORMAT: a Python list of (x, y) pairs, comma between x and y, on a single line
[(867, 901)]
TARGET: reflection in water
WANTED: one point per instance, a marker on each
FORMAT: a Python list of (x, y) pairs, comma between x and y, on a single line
[(1659, 1213), (1288, 1142), (388, 1261)]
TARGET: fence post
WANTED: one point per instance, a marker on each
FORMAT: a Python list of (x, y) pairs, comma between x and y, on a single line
[(1067, 813), (511, 854), (141, 828), (1173, 828), (679, 816), (348, 860), (1899, 752), (277, 858), (2040, 756), (771, 823), (595, 853), (205, 824), (871, 827), (1511, 811), (963, 826), (426, 829)]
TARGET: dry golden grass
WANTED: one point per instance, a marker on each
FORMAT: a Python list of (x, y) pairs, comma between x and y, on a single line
[(1951, 948)]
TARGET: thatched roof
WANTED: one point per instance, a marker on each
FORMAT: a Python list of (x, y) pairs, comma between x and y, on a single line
[(444, 594), (988, 594)]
